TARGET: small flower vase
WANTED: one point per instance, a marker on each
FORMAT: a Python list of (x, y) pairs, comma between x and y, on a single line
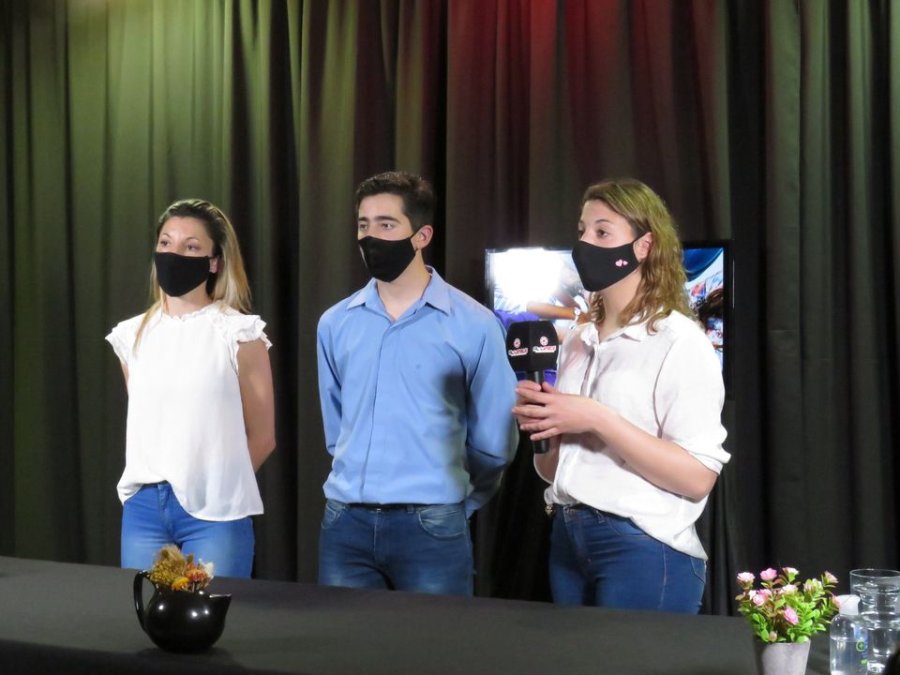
[(783, 658), (180, 621)]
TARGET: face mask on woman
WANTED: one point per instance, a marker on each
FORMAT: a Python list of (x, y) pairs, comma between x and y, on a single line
[(601, 267), (178, 274)]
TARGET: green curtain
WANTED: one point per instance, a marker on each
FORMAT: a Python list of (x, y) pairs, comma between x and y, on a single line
[(770, 123), (831, 301)]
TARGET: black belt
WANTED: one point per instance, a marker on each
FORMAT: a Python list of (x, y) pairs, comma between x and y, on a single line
[(552, 508), (386, 507)]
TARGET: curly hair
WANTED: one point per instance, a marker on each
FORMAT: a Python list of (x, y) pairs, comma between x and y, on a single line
[(662, 272)]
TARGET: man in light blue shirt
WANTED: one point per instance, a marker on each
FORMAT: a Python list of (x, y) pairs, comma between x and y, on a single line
[(416, 394)]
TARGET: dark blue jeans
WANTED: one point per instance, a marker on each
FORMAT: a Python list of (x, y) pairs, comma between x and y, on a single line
[(603, 560), (415, 548), (152, 518)]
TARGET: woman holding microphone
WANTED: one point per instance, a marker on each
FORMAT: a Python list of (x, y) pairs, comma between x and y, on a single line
[(634, 421)]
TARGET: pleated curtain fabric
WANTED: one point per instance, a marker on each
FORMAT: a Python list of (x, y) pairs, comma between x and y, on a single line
[(773, 124)]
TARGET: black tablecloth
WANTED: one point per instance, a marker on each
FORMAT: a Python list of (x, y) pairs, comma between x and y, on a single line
[(57, 617)]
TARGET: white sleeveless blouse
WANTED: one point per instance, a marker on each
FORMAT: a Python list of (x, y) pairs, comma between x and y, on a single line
[(185, 418)]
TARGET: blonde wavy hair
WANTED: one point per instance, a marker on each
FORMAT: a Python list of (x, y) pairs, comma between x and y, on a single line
[(229, 284), (661, 290)]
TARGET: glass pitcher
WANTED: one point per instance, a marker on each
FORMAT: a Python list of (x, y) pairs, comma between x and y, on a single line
[(879, 611)]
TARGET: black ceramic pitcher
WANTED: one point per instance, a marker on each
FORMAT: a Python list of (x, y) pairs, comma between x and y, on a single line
[(180, 621)]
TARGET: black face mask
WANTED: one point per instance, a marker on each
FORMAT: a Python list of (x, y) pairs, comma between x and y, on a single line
[(600, 267), (387, 259), (178, 274)]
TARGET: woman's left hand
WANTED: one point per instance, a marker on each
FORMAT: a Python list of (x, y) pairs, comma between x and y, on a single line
[(548, 412)]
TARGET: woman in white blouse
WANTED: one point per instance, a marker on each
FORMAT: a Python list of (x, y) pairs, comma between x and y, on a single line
[(200, 399), (635, 418)]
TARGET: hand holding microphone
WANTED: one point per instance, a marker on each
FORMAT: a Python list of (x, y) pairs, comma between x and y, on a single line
[(532, 347)]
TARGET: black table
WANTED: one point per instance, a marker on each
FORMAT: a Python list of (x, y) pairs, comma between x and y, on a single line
[(57, 617)]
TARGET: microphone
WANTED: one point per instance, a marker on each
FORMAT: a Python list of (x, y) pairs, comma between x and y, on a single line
[(532, 348)]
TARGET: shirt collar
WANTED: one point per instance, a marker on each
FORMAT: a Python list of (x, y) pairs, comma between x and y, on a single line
[(436, 294), (367, 295), (207, 309), (634, 331)]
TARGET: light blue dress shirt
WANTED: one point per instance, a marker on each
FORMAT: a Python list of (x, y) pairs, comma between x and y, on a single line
[(417, 410)]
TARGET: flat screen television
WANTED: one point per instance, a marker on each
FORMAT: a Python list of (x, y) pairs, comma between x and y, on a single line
[(531, 283)]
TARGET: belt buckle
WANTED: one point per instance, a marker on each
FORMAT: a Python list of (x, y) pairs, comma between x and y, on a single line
[(549, 509)]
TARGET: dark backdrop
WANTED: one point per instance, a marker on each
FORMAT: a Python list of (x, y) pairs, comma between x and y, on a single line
[(770, 122)]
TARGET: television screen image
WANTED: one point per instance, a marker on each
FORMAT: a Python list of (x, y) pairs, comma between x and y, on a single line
[(705, 269), (526, 284)]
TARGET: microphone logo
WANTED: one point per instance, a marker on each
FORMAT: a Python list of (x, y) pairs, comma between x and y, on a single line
[(543, 348), (517, 349)]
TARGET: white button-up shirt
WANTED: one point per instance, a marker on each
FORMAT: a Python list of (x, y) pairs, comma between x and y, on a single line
[(668, 383)]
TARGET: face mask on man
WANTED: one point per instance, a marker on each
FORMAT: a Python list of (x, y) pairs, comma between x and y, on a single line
[(387, 259), (179, 274), (601, 267)]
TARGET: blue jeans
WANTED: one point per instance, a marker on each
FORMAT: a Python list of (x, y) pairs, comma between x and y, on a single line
[(413, 548), (152, 518), (603, 560)]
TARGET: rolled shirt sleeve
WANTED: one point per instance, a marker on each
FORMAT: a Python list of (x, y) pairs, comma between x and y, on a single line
[(688, 398)]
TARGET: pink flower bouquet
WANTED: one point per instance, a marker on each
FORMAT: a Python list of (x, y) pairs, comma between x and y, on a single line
[(783, 610)]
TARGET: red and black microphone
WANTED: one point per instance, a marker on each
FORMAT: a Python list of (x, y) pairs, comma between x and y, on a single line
[(532, 348)]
